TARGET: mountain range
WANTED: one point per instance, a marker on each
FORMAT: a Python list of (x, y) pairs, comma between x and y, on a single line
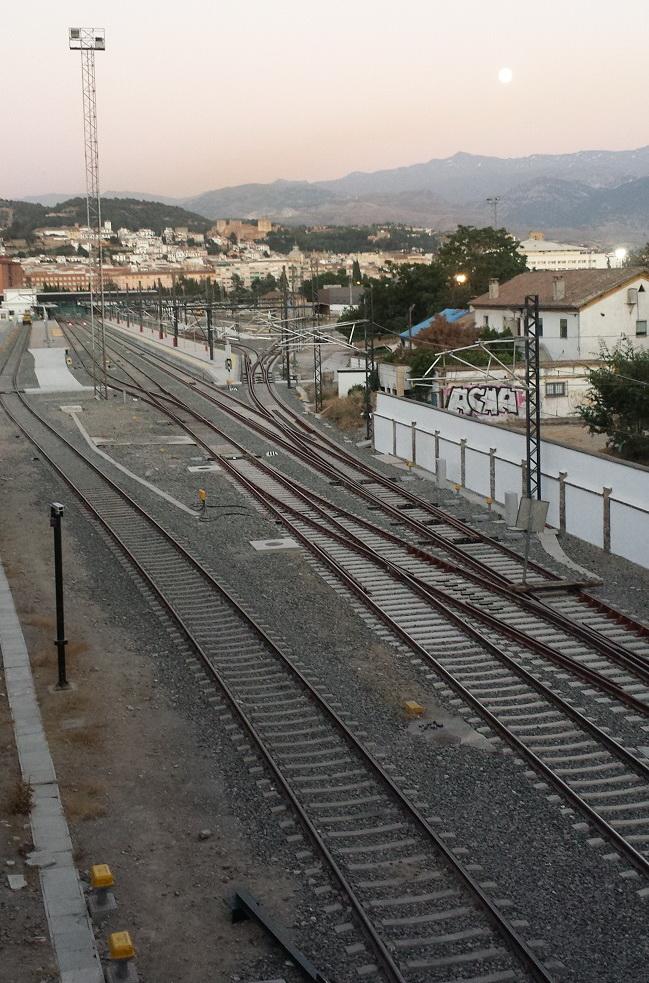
[(590, 194)]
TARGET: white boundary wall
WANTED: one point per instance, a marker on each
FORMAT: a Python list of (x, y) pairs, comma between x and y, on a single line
[(591, 496)]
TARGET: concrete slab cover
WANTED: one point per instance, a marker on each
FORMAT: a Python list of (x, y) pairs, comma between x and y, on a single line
[(67, 917), (52, 371), (264, 545), (144, 441)]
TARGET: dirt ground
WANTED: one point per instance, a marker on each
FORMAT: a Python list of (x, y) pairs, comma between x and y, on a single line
[(137, 783), (25, 951)]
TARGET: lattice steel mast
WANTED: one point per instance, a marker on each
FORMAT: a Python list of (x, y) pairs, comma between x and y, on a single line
[(533, 403), (87, 40)]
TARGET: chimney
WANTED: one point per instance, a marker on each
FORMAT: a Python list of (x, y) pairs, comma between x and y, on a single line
[(494, 289), (558, 288)]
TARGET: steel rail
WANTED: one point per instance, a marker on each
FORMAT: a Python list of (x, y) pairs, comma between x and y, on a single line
[(622, 658), (347, 539), (511, 937)]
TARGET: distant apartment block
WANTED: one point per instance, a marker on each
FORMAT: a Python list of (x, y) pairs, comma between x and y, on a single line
[(542, 254), (11, 273)]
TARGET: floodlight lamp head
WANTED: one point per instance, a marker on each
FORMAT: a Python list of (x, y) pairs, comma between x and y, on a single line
[(87, 38)]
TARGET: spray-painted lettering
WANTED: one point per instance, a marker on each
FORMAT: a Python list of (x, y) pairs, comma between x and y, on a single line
[(484, 400)]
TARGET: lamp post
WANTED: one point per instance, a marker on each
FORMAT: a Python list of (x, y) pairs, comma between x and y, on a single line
[(410, 310)]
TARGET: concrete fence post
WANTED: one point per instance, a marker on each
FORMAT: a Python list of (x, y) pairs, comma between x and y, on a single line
[(394, 438), (436, 444), (413, 449), (492, 473), (463, 462), (511, 508), (606, 503), (562, 501)]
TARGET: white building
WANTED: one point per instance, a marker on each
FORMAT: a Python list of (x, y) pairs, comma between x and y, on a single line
[(542, 254), (16, 301), (579, 309)]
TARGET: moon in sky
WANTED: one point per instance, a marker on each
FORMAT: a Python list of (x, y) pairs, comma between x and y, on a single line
[(505, 75)]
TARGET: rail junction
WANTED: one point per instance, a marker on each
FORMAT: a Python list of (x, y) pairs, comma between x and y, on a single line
[(548, 673)]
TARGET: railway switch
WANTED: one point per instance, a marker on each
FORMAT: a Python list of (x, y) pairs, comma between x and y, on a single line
[(122, 952), (101, 899)]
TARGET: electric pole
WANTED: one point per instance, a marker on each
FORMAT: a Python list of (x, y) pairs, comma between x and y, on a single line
[(494, 203)]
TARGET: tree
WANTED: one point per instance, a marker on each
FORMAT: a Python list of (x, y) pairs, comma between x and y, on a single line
[(357, 276), (638, 257), (420, 286), (323, 279), (480, 254), (618, 400)]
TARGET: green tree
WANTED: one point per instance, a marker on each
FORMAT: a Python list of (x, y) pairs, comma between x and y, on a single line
[(480, 254), (389, 298), (618, 401), (638, 257), (323, 279), (357, 276)]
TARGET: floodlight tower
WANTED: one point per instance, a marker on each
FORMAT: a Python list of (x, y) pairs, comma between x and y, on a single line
[(87, 40)]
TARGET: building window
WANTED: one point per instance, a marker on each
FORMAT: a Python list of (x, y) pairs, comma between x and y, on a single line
[(485, 320), (641, 327), (563, 327), (554, 389), (540, 328)]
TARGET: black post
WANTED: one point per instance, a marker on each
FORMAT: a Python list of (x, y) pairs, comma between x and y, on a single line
[(160, 332), (128, 310), (210, 332), (56, 511), (175, 324), (141, 307)]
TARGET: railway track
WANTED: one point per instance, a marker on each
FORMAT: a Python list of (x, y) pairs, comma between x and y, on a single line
[(423, 914), (513, 693), (594, 639)]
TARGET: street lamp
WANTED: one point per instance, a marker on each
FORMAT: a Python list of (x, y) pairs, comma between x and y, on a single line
[(459, 280)]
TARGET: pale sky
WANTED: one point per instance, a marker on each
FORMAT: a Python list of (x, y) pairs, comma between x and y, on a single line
[(201, 94)]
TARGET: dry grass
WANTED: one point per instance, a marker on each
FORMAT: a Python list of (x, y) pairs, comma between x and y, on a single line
[(346, 412), (19, 802), (84, 802), (81, 737)]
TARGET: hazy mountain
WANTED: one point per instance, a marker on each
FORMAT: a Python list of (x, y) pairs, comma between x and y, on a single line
[(457, 177), (282, 199), (590, 193), (552, 192)]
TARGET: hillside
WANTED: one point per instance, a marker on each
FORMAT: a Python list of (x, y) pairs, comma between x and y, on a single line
[(18, 219)]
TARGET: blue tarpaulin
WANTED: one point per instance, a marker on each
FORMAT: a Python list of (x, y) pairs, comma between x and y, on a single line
[(451, 314)]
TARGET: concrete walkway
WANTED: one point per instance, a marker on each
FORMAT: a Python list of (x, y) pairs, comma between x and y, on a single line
[(191, 351), (47, 347), (70, 929)]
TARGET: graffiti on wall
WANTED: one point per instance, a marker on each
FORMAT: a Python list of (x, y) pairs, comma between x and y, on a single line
[(485, 400)]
